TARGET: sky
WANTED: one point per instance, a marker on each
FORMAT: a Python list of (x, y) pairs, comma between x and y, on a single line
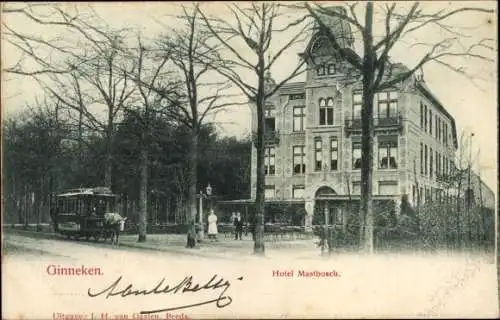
[(473, 104)]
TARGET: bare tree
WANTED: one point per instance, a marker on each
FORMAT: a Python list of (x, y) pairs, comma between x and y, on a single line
[(151, 72), (378, 73), (202, 98), (246, 45), (82, 67)]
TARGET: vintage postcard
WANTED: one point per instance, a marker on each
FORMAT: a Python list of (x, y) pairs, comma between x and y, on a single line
[(249, 160)]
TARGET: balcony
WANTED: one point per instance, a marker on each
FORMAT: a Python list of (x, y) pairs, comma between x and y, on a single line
[(270, 137), (381, 124)]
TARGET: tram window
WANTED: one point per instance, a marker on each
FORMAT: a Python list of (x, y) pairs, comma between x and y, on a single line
[(100, 207), (80, 207)]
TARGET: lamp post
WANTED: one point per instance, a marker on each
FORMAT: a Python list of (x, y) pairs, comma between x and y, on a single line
[(207, 194), (200, 235)]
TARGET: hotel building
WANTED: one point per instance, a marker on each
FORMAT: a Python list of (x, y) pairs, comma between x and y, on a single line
[(313, 138)]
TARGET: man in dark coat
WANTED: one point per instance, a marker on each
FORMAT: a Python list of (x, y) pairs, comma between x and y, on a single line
[(238, 224)]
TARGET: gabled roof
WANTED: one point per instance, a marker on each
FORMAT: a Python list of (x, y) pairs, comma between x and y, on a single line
[(292, 88), (338, 27)]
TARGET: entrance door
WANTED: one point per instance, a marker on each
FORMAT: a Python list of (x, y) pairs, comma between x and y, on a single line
[(333, 210)]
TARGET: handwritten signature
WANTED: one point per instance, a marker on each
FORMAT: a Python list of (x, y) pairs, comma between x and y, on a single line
[(186, 285)]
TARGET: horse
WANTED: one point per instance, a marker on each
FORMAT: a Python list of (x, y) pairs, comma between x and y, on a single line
[(113, 225)]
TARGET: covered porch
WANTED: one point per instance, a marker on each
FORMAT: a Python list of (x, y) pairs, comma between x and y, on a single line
[(289, 212)]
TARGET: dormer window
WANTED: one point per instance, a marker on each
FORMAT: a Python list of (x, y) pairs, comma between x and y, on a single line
[(331, 68), (320, 70), (325, 69)]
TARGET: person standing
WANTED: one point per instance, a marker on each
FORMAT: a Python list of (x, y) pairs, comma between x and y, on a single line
[(212, 225), (233, 222), (238, 224)]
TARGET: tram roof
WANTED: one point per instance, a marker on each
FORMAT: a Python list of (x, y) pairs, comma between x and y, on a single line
[(99, 191)]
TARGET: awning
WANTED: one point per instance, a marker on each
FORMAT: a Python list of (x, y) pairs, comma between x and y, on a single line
[(355, 197), (251, 201)]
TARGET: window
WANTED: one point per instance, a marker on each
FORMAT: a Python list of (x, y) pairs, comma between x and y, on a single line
[(356, 187), (270, 192), (436, 126), (438, 164), (297, 96), (388, 154), (339, 219), (326, 112), (425, 160), (299, 114), (356, 155), (421, 115), (270, 124), (387, 104), (298, 192), (425, 118), (439, 130), (269, 161), (445, 134), (299, 166), (387, 187), (318, 155), (320, 70), (357, 101), (430, 122), (421, 158), (331, 68), (442, 165), (430, 162), (334, 153)]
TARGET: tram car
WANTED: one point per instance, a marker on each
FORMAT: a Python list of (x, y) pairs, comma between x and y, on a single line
[(80, 213)]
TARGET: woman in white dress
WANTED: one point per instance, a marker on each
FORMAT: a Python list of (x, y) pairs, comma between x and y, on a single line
[(212, 225)]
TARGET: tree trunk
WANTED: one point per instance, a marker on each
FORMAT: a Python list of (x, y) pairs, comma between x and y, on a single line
[(259, 247), (366, 177), (367, 133), (109, 152), (143, 195), (193, 172)]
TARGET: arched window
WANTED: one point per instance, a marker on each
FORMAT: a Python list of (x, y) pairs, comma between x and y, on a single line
[(324, 191), (322, 102), (325, 112)]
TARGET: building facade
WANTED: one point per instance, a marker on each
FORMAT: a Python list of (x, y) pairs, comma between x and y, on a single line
[(313, 138)]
